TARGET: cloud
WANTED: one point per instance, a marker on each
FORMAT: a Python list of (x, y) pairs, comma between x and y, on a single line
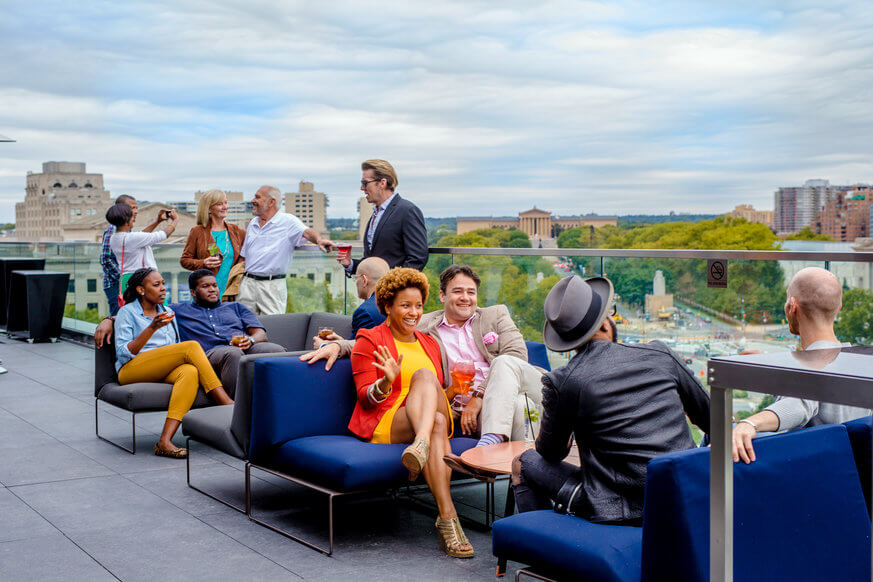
[(483, 109)]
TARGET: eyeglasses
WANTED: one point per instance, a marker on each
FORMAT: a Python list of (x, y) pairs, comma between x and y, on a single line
[(365, 182)]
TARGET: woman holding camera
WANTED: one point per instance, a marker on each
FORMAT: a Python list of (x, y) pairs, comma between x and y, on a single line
[(133, 250), (148, 349), (213, 244)]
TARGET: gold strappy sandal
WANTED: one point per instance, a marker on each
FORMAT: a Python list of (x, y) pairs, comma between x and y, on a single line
[(452, 538), (415, 457)]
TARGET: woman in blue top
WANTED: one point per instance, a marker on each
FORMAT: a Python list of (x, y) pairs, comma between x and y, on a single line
[(147, 349), (214, 243)]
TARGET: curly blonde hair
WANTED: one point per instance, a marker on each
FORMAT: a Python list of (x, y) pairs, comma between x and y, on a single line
[(395, 281)]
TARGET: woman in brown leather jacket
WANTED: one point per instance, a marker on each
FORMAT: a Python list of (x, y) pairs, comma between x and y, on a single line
[(214, 243)]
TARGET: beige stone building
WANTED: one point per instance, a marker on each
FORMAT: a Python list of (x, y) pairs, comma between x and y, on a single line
[(748, 212), (309, 206), (365, 211), (61, 194), (535, 223), (91, 228)]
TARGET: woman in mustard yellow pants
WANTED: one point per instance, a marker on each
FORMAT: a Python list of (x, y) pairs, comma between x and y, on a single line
[(147, 349)]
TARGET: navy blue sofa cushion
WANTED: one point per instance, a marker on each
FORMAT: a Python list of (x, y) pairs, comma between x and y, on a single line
[(798, 512), (346, 463), (860, 433), (570, 548), (292, 399), (538, 355)]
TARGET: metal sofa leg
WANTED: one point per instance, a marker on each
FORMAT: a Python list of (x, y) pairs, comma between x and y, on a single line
[(132, 451), (501, 567), (532, 574), (330, 496), (206, 493)]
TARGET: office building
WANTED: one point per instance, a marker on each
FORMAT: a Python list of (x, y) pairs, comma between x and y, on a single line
[(309, 206)]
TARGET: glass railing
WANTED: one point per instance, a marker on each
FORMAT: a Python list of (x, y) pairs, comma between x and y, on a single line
[(698, 322), (316, 281)]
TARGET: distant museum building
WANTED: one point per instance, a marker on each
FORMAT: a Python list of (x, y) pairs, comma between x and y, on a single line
[(63, 193), (535, 223)]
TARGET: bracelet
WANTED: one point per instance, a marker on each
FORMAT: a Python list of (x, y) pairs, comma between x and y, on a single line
[(750, 423), (477, 392)]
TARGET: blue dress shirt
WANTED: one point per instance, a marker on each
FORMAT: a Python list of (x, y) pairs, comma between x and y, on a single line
[(130, 322), (211, 327)]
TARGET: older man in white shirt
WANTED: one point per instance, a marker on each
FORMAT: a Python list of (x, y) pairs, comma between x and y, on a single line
[(271, 238)]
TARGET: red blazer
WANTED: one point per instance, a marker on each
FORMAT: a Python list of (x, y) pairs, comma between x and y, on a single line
[(366, 416)]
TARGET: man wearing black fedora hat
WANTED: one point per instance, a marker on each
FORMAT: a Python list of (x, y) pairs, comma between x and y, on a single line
[(625, 404)]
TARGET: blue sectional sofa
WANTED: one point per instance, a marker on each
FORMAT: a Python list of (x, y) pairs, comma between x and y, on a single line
[(300, 415), (799, 514)]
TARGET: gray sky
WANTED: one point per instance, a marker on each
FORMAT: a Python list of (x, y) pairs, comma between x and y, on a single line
[(482, 107)]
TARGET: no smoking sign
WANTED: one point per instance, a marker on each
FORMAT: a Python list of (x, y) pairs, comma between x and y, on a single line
[(716, 273)]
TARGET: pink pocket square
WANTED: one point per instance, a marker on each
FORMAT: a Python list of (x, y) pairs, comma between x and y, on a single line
[(489, 338)]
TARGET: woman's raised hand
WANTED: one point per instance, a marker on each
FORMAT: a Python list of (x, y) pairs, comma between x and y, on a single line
[(389, 366)]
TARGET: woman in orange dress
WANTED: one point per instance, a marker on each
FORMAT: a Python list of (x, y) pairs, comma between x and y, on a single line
[(398, 377)]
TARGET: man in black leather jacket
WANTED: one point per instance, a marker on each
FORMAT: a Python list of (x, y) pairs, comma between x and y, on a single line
[(625, 404)]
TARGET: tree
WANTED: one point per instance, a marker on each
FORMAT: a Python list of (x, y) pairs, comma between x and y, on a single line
[(854, 320), (807, 233)]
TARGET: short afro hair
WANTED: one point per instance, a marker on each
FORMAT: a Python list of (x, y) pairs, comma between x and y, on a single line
[(194, 278), (395, 281)]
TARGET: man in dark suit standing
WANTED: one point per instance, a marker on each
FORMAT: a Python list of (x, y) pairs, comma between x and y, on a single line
[(396, 231)]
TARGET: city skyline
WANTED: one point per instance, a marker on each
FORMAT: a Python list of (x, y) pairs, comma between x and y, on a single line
[(576, 107)]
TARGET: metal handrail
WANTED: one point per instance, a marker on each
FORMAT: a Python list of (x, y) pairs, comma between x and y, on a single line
[(770, 255), (821, 256)]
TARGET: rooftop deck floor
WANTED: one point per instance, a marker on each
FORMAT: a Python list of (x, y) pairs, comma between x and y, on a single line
[(73, 507)]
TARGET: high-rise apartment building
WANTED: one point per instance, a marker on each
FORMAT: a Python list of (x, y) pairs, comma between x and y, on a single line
[(748, 212), (239, 210), (61, 194), (846, 215), (308, 205), (798, 206)]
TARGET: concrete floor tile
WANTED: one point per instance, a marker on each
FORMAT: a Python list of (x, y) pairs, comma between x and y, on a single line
[(48, 558), (191, 551), (84, 505), (125, 463), (20, 522), (44, 462)]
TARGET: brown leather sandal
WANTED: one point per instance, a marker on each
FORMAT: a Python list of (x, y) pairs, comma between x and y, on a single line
[(177, 453), (415, 457), (453, 540)]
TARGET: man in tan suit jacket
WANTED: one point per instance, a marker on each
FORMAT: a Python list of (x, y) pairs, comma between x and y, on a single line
[(505, 385)]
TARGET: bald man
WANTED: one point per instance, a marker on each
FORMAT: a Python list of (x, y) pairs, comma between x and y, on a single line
[(814, 299), (366, 316)]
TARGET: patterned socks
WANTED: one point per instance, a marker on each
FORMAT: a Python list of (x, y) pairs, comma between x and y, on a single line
[(489, 439)]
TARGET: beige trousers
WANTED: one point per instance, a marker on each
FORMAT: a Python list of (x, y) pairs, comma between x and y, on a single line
[(511, 386), (263, 297)]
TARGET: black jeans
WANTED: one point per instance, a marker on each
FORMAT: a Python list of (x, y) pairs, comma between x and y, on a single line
[(539, 481)]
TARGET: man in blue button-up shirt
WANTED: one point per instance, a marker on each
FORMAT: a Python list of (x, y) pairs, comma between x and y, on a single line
[(214, 325)]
